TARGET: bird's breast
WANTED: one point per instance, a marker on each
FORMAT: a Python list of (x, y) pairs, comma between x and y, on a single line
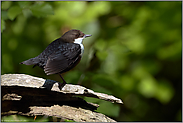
[(82, 49), (79, 41)]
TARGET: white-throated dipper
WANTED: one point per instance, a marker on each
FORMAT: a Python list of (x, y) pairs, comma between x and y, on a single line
[(61, 55)]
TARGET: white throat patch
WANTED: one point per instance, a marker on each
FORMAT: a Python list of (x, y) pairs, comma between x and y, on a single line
[(80, 41)]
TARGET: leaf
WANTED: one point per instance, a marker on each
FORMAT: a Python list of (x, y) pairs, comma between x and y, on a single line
[(41, 10), (24, 4), (13, 12), (2, 25), (4, 15), (27, 12), (5, 5), (66, 120)]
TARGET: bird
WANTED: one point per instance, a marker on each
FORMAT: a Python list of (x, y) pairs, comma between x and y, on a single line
[(61, 55)]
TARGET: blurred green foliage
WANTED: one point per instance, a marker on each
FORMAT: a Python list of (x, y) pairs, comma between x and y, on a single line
[(134, 53)]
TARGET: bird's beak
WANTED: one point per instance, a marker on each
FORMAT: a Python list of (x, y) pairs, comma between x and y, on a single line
[(85, 36)]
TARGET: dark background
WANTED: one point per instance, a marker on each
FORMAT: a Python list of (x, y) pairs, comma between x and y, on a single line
[(134, 53)]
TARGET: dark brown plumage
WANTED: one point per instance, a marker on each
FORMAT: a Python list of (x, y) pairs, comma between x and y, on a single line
[(61, 55)]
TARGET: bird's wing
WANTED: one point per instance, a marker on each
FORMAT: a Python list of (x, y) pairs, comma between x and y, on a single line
[(62, 58)]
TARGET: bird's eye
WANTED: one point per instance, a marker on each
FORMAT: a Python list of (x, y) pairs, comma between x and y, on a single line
[(77, 35)]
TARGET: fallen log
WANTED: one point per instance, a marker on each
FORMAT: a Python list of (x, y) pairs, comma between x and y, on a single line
[(31, 96)]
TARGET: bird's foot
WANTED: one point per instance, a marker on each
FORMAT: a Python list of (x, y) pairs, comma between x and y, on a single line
[(61, 85)]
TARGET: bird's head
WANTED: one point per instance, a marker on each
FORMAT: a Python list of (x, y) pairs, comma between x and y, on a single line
[(74, 36)]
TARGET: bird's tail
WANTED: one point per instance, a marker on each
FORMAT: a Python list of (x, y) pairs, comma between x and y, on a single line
[(31, 61)]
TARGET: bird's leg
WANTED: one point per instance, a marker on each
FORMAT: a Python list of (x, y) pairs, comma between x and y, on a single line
[(61, 85)]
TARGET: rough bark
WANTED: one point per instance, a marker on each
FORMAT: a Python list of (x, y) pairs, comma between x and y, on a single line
[(28, 95)]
